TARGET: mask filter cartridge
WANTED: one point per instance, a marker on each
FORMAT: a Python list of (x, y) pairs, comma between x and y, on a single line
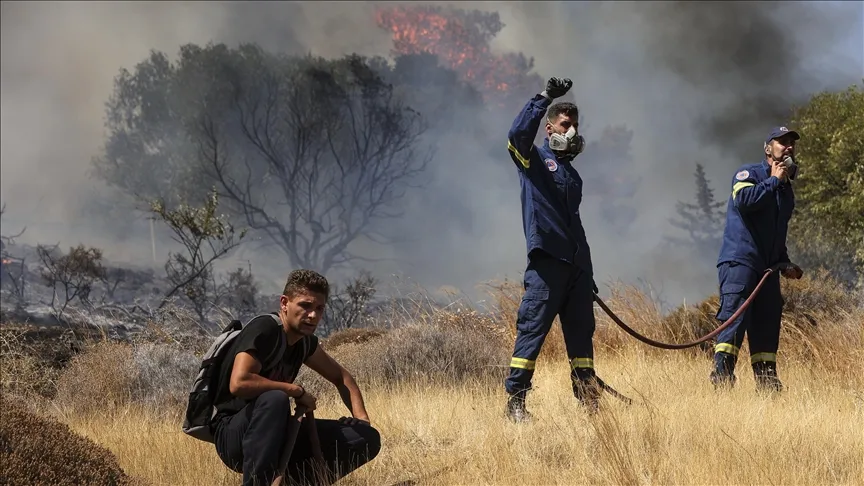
[(568, 144)]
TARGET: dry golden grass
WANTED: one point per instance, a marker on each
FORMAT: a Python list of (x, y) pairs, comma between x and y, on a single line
[(677, 431), (440, 411)]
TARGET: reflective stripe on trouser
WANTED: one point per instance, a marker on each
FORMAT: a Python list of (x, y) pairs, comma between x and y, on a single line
[(763, 358), (760, 321), (552, 287)]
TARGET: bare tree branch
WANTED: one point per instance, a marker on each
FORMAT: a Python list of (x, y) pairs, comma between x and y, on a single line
[(327, 140), (75, 273)]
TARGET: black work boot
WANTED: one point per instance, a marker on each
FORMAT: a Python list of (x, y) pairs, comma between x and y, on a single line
[(765, 374), (723, 375), (586, 389), (516, 410), (722, 380)]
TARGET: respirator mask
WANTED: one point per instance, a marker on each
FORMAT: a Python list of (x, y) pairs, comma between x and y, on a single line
[(568, 145)]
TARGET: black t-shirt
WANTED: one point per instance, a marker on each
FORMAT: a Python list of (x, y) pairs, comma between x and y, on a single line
[(260, 338)]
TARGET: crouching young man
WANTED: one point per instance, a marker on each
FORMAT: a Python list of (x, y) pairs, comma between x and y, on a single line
[(253, 404)]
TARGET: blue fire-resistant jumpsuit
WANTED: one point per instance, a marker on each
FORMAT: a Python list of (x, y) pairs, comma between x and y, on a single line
[(559, 277), (757, 218)]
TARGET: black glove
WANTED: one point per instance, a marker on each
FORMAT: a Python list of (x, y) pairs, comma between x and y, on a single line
[(557, 87), (596, 291)]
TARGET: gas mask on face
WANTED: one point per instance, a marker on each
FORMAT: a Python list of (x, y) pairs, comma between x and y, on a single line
[(568, 145)]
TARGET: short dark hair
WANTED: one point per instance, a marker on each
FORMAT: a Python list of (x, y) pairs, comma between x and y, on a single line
[(306, 281), (565, 107)]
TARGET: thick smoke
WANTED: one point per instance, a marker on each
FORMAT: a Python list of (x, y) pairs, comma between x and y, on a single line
[(752, 61), (695, 81)]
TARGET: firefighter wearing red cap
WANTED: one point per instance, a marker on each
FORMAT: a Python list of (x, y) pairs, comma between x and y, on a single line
[(757, 218)]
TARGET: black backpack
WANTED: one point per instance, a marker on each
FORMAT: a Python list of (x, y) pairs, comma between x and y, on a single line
[(200, 408)]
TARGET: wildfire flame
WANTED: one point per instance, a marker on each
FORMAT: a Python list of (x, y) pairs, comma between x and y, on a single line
[(461, 41)]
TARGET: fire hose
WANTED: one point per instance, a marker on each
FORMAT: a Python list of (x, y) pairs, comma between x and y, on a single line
[(658, 344), (710, 335)]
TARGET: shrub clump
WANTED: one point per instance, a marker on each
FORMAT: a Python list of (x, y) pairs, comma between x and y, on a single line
[(162, 375), (431, 351), (97, 379), (37, 450), (115, 374), (352, 335)]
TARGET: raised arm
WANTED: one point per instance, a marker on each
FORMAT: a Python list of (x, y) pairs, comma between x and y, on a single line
[(520, 138)]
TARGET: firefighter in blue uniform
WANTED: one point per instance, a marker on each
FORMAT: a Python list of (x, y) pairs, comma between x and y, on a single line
[(559, 276), (757, 218)]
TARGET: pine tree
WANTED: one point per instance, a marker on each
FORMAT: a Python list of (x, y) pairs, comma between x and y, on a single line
[(703, 221)]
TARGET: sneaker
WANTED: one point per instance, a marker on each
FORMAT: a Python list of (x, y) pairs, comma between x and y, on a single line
[(516, 410)]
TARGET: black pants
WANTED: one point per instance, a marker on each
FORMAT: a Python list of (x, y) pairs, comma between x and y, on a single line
[(250, 442)]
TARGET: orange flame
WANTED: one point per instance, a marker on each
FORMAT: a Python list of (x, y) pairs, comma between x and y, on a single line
[(461, 40)]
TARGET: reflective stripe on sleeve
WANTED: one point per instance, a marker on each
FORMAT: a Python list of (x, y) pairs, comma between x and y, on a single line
[(525, 162), (740, 185)]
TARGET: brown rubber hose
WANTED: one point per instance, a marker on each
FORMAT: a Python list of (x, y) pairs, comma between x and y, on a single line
[(715, 332)]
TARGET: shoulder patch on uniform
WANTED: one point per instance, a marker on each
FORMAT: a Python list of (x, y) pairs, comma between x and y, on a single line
[(551, 165), (742, 175)]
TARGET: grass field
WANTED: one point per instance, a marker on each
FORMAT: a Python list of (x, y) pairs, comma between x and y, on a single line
[(677, 431), (446, 430)]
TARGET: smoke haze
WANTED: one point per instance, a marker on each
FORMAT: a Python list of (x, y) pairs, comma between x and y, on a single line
[(696, 82)]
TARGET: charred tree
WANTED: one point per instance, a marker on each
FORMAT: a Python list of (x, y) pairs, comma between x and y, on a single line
[(349, 307), (239, 293), (70, 276), (327, 152), (311, 154)]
